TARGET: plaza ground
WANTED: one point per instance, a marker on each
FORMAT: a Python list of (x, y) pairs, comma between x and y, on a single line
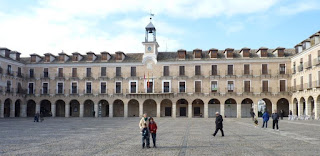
[(181, 136)]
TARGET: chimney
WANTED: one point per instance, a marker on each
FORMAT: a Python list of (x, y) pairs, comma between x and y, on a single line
[(213, 53), (245, 52)]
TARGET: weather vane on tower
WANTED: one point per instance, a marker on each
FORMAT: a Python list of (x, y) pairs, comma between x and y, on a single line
[(151, 15)]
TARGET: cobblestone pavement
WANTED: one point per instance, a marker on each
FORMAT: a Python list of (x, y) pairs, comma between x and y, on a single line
[(181, 136)]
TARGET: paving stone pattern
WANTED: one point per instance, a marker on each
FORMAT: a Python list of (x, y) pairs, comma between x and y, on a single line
[(181, 136)]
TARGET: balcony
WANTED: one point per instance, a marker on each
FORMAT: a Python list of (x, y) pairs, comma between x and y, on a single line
[(247, 90), (215, 91), (294, 71), (73, 76), (230, 74), (88, 76), (265, 73), (316, 61), (74, 92), (214, 74), (19, 75), (300, 68), (9, 91), (118, 76), (44, 92), (166, 76), (307, 86), (300, 87), (21, 91), (247, 74), (9, 73), (316, 84), (103, 92), (87, 92), (60, 76), (1, 71), (283, 73), (30, 76), (284, 91), (231, 91), (308, 65), (198, 91), (294, 89), (60, 91), (31, 92), (45, 76), (266, 90), (198, 75)]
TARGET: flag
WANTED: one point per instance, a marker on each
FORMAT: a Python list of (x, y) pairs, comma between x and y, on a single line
[(144, 76), (148, 80)]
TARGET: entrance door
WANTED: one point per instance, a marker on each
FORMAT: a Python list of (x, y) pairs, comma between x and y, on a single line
[(167, 111), (183, 111), (196, 111), (213, 108), (231, 110)]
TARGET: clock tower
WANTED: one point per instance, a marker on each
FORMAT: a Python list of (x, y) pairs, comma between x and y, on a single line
[(151, 45)]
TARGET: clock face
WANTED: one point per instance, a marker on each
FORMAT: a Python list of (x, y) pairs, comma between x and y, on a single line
[(149, 49)]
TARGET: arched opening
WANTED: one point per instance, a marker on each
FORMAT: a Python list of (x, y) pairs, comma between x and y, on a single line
[(283, 104), (133, 108), (182, 107), (318, 107), (150, 107), (17, 108), (74, 108), (7, 107), (118, 108), (303, 106), (295, 107), (198, 108), (246, 108), (268, 105), (166, 107), (230, 108), (103, 108), (60, 108), (45, 108), (311, 105), (31, 108), (213, 107), (88, 108)]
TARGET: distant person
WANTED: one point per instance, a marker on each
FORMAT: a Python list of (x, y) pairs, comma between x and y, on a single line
[(153, 130), (36, 117), (219, 125), (94, 113), (252, 114), (265, 118), (290, 115), (281, 114), (145, 121), (275, 118), (145, 136)]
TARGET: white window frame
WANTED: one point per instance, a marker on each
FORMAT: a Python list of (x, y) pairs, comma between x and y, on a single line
[(77, 87), (211, 85), (163, 81), (146, 84), (234, 85), (101, 88), (85, 87), (185, 86), (194, 86), (48, 87), (286, 85), (33, 87), (115, 87), (137, 85), (57, 87), (245, 86)]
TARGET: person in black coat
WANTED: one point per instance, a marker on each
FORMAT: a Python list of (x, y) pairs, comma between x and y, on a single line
[(275, 117), (219, 125)]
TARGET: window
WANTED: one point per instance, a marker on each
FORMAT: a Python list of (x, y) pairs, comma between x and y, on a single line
[(45, 88), (230, 69), (88, 72), (309, 60), (133, 87), (301, 83), (90, 57), (214, 70), (198, 54), (104, 56), (197, 85), (8, 86), (30, 88), (31, 73), (181, 71), (74, 88), (118, 87), (103, 71), (45, 72), (118, 71), (75, 57), (19, 88), (264, 69), (301, 65), (318, 82), (214, 54), (318, 59), (61, 58), (60, 72), (103, 87), (265, 86), (294, 84), (282, 69), (182, 87), (118, 56), (166, 87), (149, 86), (74, 72), (88, 88), (294, 67), (246, 70), (60, 88), (33, 58), (9, 72), (247, 88), (133, 71), (264, 53), (282, 85), (310, 81), (165, 70), (19, 72), (246, 53), (214, 86), (197, 70), (230, 86), (181, 54), (47, 58), (229, 54)]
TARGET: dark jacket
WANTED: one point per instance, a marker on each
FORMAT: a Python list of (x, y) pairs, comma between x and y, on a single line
[(145, 132), (275, 116), (265, 116), (219, 121)]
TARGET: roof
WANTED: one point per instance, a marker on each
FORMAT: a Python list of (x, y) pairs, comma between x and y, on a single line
[(150, 26)]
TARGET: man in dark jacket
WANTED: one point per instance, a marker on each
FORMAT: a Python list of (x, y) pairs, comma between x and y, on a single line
[(219, 125), (275, 118)]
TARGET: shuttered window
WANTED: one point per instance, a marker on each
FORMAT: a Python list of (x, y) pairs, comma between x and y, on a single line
[(74, 72), (246, 69), (104, 56), (197, 86), (60, 72), (264, 53), (88, 72), (282, 85), (246, 53), (230, 69), (90, 57), (198, 54), (181, 71), (264, 69), (133, 71), (181, 54), (165, 70), (103, 71), (214, 54), (309, 60), (265, 86), (246, 86), (214, 70), (197, 70), (301, 83), (118, 71)]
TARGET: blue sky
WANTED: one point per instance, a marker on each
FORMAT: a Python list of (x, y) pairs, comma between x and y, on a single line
[(34, 26)]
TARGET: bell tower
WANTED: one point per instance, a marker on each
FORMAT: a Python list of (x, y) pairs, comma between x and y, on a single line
[(151, 45)]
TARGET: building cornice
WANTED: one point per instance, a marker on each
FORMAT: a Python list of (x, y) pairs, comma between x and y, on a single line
[(305, 51), (11, 62)]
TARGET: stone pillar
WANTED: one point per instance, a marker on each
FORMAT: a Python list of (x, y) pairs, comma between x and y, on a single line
[(111, 110), (96, 110), (140, 109), (222, 109), (67, 110), (316, 108), (37, 107), (174, 110), (206, 110), (189, 110), (2, 110), (308, 107), (255, 109), (23, 109), (158, 110), (12, 110), (126, 109), (274, 107), (53, 110), (300, 108), (81, 110), (239, 110)]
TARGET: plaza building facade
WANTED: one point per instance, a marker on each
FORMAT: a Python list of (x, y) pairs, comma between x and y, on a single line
[(184, 83)]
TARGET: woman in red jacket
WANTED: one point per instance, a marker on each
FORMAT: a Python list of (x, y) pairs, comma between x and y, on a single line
[(153, 131)]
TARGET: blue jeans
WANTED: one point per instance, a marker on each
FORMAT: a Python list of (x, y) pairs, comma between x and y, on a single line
[(266, 124), (145, 140), (154, 136)]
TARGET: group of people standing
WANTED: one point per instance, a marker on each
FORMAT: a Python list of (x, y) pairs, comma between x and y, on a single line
[(275, 117), (148, 127)]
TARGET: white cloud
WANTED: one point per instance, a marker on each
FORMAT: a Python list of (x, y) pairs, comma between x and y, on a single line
[(299, 7)]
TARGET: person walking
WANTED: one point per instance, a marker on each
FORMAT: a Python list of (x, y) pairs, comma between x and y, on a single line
[(290, 115), (281, 114), (265, 118), (275, 118), (145, 136), (153, 130), (145, 121), (36, 117), (219, 125), (252, 114)]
